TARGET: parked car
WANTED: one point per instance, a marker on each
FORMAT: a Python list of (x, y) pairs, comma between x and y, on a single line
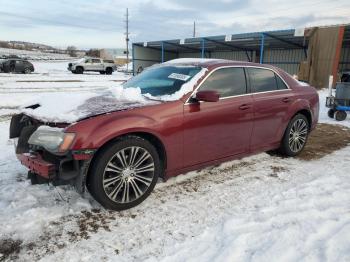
[(225, 110), (16, 65), (92, 64)]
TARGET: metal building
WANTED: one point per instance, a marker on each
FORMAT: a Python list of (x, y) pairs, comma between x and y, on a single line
[(295, 51)]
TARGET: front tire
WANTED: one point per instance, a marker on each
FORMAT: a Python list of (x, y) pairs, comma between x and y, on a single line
[(295, 136), (109, 71), (124, 173), (79, 70), (331, 113), (27, 71)]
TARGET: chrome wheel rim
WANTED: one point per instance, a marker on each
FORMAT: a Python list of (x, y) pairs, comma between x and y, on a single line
[(128, 174), (297, 135)]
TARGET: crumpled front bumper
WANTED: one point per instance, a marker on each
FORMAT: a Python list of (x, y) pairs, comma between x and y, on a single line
[(36, 164)]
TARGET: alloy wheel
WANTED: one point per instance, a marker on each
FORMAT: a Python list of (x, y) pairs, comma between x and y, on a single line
[(297, 135), (128, 174)]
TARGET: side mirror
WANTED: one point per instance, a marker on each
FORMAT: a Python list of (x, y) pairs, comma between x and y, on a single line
[(207, 96)]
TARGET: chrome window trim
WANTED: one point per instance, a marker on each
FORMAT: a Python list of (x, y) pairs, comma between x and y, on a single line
[(240, 66)]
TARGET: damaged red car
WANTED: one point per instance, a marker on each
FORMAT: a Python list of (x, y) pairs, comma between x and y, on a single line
[(172, 118)]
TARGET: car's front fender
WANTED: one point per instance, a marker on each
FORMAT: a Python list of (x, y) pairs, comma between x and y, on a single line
[(95, 132)]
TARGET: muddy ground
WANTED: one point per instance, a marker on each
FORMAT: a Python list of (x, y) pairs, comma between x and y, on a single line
[(324, 140)]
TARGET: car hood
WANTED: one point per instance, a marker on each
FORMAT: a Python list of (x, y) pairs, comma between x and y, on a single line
[(70, 108)]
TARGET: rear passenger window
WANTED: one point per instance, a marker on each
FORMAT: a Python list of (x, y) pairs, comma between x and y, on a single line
[(280, 84), (227, 82), (262, 80)]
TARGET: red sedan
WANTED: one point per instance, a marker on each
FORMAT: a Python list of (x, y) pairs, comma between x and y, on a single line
[(191, 114)]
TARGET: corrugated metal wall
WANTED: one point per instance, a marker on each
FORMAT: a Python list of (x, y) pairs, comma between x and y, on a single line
[(286, 59), (145, 57), (344, 63), (233, 55), (190, 55)]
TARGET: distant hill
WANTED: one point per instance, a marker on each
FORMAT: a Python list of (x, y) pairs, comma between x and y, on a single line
[(21, 45)]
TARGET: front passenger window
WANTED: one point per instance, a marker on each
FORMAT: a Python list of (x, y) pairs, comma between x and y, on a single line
[(226, 81)]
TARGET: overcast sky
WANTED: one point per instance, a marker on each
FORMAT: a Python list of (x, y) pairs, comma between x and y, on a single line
[(100, 23)]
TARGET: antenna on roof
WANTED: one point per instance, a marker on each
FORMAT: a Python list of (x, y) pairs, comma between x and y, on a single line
[(194, 28)]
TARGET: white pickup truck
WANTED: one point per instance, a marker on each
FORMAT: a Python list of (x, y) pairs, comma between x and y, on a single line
[(91, 64)]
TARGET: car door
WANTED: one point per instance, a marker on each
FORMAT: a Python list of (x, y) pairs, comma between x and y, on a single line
[(272, 98), (19, 66), (97, 65), (12, 65), (214, 130), (88, 66)]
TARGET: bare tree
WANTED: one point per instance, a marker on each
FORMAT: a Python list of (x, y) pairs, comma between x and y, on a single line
[(93, 53), (4, 44), (72, 51)]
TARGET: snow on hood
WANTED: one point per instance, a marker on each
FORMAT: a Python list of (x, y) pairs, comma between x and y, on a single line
[(72, 107), (69, 108)]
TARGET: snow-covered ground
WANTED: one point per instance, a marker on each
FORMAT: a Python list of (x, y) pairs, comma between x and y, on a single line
[(49, 78), (260, 208)]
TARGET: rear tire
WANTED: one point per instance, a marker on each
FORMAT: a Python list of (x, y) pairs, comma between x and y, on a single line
[(109, 71), (79, 70), (295, 136), (331, 113), (340, 115), (117, 180)]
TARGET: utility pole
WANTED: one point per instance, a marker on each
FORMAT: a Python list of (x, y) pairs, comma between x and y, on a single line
[(127, 39), (194, 28)]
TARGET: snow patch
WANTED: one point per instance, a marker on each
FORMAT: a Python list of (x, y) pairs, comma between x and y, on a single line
[(302, 83), (70, 108), (129, 94), (58, 108), (190, 60)]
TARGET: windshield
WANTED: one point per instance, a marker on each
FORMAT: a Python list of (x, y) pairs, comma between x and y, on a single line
[(162, 80)]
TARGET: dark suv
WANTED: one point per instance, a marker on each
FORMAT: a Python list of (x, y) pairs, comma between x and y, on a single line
[(16, 65)]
